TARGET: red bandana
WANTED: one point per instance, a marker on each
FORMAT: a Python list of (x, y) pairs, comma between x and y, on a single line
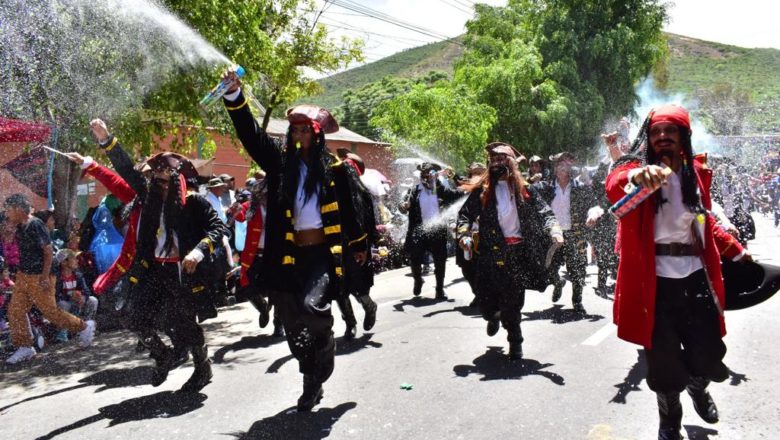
[(671, 113)]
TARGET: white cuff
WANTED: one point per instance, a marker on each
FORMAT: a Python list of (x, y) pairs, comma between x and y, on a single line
[(741, 254), (88, 161), (196, 254), (232, 96)]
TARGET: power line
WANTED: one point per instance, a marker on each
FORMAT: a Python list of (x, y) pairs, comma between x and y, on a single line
[(457, 6), (372, 13)]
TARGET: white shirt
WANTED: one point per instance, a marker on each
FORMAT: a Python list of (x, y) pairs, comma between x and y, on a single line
[(561, 205), (261, 243), (507, 210), (306, 212), (159, 250), (429, 205), (216, 203), (673, 225)]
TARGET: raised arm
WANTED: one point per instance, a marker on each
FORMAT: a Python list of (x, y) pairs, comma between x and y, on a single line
[(122, 162), (264, 150)]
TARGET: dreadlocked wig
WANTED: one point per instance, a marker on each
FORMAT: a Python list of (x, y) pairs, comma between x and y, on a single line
[(688, 179), (320, 162)]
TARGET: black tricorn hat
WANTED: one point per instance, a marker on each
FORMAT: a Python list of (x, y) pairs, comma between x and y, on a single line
[(427, 167), (174, 161), (748, 284)]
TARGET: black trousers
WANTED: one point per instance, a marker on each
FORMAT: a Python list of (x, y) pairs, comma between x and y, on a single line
[(500, 288), (686, 335), (358, 282), (305, 311), (159, 299), (573, 253), (435, 242), (603, 241)]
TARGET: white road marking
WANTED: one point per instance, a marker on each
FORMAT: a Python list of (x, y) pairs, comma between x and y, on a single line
[(602, 333)]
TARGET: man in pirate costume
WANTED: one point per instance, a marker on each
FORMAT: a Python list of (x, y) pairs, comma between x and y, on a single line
[(253, 267), (358, 279), (312, 226), (176, 230), (570, 201), (669, 295), (467, 265), (516, 228), (427, 230)]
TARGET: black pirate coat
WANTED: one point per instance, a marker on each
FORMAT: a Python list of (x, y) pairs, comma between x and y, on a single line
[(340, 194), (537, 224), (415, 231), (582, 199), (197, 227)]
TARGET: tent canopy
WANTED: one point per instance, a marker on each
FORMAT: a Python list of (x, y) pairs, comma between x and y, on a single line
[(12, 130)]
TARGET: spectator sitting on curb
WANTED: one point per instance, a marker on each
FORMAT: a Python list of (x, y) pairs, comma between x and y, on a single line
[(72, 292)]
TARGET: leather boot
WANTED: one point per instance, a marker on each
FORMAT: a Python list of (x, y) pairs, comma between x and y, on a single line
[(576, 298), (440, 293), (369, 307), (350, 332), (202, 374), (262, 306), (417, 287), (163, 358), (670, 413), (558, 290), (702, 400), (312, 393), (515, 350)]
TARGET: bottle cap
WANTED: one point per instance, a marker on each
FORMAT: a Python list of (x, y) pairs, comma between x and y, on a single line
[(240, 72)]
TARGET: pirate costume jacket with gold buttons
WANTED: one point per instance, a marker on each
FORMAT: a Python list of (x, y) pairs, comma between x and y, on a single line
[(198, 227), (339, 197), (537, 223)]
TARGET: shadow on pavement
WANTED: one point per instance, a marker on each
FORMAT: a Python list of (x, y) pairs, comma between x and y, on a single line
[(737, 378), (246, 343), (419, 301), (342, 348), (495, 365), (290, 424), (631, 382), (165, 404), (558, 315), (348, 347), (464, 310), (699, 433)]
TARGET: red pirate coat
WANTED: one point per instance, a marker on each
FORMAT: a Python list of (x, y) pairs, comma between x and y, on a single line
[(634, 306), (117, 186), (254, 230)]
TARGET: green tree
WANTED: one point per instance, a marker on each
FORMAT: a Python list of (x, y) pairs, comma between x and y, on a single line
[(66, 62), (557, 68), (359, 105), (444, 121)]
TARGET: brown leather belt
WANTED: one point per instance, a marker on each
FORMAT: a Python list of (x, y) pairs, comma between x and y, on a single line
[(677, 249), (309, 237)]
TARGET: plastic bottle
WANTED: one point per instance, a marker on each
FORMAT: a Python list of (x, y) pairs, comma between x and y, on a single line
[(467, 252), (220, 89)]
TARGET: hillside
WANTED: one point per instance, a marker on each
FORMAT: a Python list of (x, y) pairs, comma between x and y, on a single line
[(408, 64), (694, 65)]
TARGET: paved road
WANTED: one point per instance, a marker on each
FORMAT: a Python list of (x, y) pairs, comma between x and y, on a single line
[(578, 381)]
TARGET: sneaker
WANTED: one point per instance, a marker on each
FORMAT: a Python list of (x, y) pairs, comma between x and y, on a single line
[(20, 355), (87, 335), (62, 336)]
